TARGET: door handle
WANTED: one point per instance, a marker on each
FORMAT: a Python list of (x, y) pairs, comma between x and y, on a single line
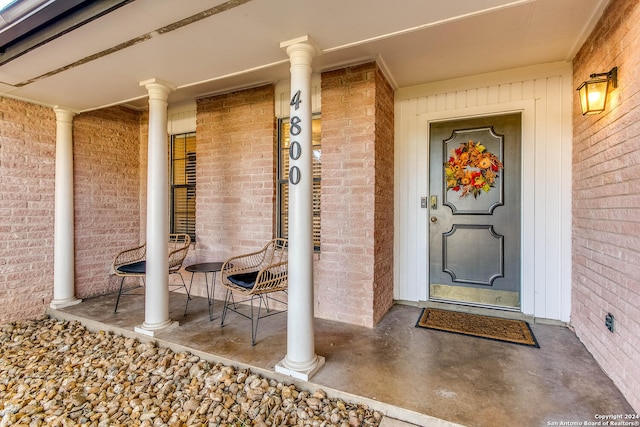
[(433, 200), (434, 219)]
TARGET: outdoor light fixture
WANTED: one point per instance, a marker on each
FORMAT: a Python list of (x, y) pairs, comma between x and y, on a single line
[(593, 92)]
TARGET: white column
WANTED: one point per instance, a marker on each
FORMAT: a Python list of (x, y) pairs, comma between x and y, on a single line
[(63, 257), (301, 360), (156, 308)]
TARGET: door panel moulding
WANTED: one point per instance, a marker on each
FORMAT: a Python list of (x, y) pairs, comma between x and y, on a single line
[(527, 108)]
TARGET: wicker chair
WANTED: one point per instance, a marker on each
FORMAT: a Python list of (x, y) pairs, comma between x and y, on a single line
[(132, 263), (255, 275)]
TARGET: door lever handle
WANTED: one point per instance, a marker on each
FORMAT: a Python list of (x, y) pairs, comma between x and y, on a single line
[(433, 200)]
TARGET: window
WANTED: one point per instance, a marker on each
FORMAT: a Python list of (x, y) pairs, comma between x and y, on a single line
[(183, 184), (282, 191)]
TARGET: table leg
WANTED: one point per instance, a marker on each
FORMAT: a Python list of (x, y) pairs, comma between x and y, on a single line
[(213, 292), (206, 280)]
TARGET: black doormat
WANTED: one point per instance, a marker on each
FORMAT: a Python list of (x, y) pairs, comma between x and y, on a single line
[(493, 328)]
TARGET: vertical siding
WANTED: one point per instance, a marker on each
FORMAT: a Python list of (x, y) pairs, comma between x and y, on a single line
[(539, 194), (182, 119), (411, 183), (545, 252)]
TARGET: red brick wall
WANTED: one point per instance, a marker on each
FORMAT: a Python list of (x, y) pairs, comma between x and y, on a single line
[(606, 201), (143, 156), (384, 203), (354, 273), (106, 146), (106, 188), (235, 173), (235, 192), (27, 182), (236, 187)]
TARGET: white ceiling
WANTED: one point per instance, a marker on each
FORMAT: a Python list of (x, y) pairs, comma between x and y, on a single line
[(237, 44)]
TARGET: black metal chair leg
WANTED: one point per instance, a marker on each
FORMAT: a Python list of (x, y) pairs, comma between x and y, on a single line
[(254, 327), (225, 308), (188, 293), (119, 293)]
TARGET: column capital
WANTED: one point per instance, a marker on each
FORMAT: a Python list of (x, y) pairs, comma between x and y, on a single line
[(64, 114), (158, 89), (301, 46)]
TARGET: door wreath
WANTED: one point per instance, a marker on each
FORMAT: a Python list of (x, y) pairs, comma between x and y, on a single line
[(471, 169)]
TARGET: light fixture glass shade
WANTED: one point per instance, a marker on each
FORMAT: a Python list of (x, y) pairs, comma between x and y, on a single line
[(593, 95)]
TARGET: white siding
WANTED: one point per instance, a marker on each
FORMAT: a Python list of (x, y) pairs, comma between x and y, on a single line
[(543, 95), (181, 118)]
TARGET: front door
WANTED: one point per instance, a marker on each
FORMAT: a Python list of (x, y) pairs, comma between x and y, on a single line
[(474, 211)]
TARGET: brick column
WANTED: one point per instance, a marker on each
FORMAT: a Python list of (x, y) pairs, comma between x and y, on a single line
[(301, 360), (63, 258), (156, 309)]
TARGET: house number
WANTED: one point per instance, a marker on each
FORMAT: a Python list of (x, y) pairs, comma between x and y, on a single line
[(294, 175), (295, 150)]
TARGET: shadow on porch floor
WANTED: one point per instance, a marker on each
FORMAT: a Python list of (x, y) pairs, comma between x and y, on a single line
[(417, 375)]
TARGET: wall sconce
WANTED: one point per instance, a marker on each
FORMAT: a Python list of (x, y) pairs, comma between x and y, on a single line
[(593, 92)]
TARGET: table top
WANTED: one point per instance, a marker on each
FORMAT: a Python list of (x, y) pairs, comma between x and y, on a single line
[(204, 267)]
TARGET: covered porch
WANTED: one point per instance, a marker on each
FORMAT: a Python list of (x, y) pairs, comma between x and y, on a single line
[(86, 129), (418, 376)]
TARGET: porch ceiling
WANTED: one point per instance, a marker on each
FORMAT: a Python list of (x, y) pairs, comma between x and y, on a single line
[(234, 44)]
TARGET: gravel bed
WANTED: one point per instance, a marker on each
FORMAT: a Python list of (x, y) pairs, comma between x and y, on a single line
[(57, 373)]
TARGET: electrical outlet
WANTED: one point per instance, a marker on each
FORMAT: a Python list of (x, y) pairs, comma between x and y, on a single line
[(608, 321)]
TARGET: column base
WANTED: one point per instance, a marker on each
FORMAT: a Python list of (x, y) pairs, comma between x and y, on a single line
[(300, 373), (62, 303), (152, 330)]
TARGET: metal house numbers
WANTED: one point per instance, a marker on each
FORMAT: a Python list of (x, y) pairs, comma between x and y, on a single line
[(295, 150)]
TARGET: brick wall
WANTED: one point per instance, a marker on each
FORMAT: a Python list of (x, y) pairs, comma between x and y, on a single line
[(354, 275), (143, 156), (106, 146), (235, 173), (236, 162), (235, 192), (106, 188), (27, 182), (606, 201), (384, 202)]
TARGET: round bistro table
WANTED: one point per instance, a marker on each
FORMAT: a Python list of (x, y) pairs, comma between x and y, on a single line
[(205, 267)]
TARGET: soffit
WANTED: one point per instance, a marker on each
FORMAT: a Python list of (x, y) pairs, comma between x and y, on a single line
[(206, 46)]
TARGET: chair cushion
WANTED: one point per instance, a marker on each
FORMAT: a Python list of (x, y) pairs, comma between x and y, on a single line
[(133, 268), (245, 280)]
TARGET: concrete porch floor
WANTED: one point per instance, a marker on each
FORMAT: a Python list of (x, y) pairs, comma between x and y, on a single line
[(420, 376)]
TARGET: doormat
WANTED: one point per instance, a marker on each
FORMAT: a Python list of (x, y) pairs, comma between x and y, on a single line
[(493, 328)]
